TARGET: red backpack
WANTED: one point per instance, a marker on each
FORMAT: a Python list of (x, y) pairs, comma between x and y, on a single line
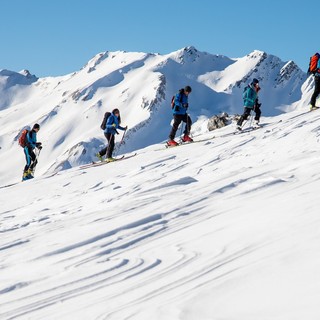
[(23, 138), (313, 64)]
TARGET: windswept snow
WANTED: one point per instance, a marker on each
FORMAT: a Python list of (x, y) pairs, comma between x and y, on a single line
[(228, 228)]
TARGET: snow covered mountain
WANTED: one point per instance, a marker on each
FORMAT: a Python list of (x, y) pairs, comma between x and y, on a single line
[(70, 108), (226, 228), (223, 229)]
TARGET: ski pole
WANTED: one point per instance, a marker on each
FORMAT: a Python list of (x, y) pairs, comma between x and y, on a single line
[(37, 157), (251, 119), (122, 139), (181, 125)]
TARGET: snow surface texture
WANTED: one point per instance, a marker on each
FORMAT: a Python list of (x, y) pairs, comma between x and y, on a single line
[(228, 228), (70, 108)]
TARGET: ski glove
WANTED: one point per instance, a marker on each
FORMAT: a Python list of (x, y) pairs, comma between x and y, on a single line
[(39, 145), (114, 125)]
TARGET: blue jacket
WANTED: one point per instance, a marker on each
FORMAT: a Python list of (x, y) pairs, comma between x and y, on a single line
[(31, 139), (181, 103), (109, 126), (249, 96)]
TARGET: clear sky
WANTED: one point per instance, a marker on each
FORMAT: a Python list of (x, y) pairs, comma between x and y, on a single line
[(57, 37)]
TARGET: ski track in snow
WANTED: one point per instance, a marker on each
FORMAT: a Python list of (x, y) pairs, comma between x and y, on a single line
[(173, 234)]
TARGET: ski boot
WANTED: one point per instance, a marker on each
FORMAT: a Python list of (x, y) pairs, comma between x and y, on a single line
[(256, 125), (24, 176), (172, 143), (186, 138), (99, 156), (110, 159), (27, 175), (312, 108)]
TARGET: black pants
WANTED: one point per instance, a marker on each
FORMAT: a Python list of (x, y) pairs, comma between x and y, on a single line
[(31, 159), (110, 147), (177, 119), (257, 111), (316, 91), (246, 114)]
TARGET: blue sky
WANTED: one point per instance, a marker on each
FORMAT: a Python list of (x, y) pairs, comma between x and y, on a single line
[(58, 37)]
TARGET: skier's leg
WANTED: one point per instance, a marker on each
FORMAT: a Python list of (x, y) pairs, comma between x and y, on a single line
[(176, 122), (245, 115), (188, 123), (103, 151), (316, 91), (110, 145), (34, 160), (257, 111), (28, 158)]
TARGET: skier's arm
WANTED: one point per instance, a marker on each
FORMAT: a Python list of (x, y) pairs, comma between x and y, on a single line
[(122, 128)]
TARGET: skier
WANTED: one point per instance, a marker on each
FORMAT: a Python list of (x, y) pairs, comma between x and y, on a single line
[(251, 102), (31, 158), (316, 72), (180, 114), (113, 123)]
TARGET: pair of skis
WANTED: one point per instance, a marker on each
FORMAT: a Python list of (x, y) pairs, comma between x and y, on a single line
[(238, 131), (100, 163), (186, 143)]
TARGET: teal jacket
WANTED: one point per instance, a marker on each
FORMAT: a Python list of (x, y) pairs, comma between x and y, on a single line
[(31, 139), (249, 96)]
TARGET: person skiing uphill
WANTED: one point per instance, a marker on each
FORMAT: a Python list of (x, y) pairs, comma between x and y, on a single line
[(180, 107), (314, 68), (31, 158), (250, 102), (112, 124)]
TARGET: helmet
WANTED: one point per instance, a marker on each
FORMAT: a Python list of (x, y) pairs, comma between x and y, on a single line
[(187, 89), (254, 81)]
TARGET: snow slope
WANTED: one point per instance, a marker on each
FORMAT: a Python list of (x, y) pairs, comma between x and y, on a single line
[(223, 229), (70, 108)]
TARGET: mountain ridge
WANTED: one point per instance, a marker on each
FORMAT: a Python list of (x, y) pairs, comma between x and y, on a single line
[(70, 108)]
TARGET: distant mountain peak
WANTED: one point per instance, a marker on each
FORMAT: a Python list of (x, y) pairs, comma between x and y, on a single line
[(27, 74), (186, 54)]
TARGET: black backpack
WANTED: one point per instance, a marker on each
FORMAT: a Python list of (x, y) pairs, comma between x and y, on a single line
[(104, 121)]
